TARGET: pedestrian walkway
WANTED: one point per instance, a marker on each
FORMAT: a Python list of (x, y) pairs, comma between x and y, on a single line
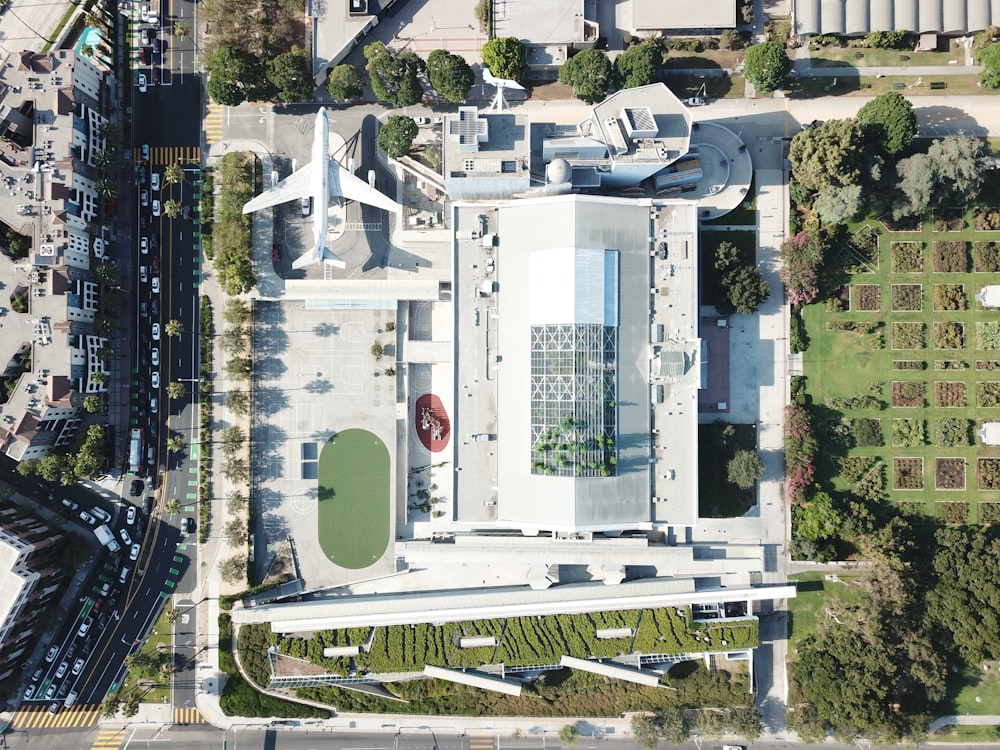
[(213, 122), (164, 155), (974, 721), (111, 738), (37, 716), (188, 716)]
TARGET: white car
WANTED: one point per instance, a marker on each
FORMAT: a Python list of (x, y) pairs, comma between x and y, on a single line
[(144, 13), (143, 85), (696, 101), (130, 515), (422, 120), (144, 245), (62, 670), (77, 666), (144, 197), (102, 514), (125, 537), (87, 518), (156, 285), (154, 356), (133, 554), (156, 331), (306, 205), (156, 208), (154, 406), (154, 181), (143, 274), (154, 379), (30, 692), (123, 576)]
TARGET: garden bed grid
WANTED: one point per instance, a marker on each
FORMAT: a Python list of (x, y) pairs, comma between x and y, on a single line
[(934, 353)]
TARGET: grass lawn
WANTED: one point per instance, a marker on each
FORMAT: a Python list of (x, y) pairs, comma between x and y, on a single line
[(354, 499), (716, 86), (964, 688), (930, 369), (717, 444), (967, 734), (815, 594), (712, 292), (864, 57), (801, 87)]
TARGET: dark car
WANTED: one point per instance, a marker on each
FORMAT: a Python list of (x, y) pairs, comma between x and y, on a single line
[(188, 525), (144, 55), (136, 488), (276, 253), (154, 263)]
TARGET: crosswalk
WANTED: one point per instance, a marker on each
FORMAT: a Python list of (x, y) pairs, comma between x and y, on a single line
[(109, 739), (481, 742), (188, 716), (183, 155), (38, 717), (213, 122)]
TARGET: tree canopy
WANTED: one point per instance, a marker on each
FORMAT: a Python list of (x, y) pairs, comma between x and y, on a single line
[(506, 57), (396, 136), (589, 73), (889, 121), (838, 205), (236, 76), (638, 65), (989, 58), (744, 469), (345, 82), (827, 155), (950, 173), (766, 65), (395, 79), (966, 600), (291, 75), (746, 288), (450, 75)]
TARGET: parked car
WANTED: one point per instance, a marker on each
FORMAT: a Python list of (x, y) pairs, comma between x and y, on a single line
[(143, 274), (70, 504), (135, 489), (30, 692), (154, 181), (77, 666), (156, 284), (143, 87), (62, 670), (133, 554), (696, 101), (156, 331), (144, 197), (306, 205), (188, 525), (50, 694), (51, 654), (125, 537), (154, 379), (84, 628), (123, 576), (144, 245), (102, 514), (145, 152), (154, 406), (276, 253), (156, 208), (155, 359), (144, 57), (129, 518), (87, 518), (154, 263)]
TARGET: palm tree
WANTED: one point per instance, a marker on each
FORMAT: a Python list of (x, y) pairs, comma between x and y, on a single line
[(172, 208), (86, 50), (173, 615), (109, 131), (92, 404), (99, 378), (103, 159), (173, 328), (175, 391), (107, 272), (181, 30), (95, 19), (173, 173), (106, 188), (172, 506), (175, 443)]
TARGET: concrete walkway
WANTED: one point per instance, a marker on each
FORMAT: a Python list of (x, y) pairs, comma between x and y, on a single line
[(977, 721)]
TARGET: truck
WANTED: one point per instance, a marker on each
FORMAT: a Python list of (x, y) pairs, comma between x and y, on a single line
[(105, 537)]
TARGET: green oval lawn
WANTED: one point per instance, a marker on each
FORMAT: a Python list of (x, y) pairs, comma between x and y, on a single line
[(354, 499)]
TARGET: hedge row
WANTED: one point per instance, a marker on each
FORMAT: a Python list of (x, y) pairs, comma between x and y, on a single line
[(521, 640)]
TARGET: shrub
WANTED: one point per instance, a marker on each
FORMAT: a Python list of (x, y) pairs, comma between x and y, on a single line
[(951, 257), (798, 339), (857, 401), (907, 257), (988, 335), (872, 486), (988, 394), (862, 328), (867, 433), (853, 468), (907, 335), (800, 452), (909, 433), (949, 297), (949, 336), (909, 364), (907, 297), (952, 432), (986, 255)]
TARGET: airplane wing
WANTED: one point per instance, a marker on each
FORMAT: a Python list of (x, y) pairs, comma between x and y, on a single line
[(319, 254), (296, 185), (345, 184)]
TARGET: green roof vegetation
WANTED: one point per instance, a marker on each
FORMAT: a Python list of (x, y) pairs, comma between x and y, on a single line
[(523, 641)]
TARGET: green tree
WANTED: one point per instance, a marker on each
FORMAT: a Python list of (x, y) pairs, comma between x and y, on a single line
[(817, 519), (112, 702), (238, 367), (86, 50), (827, 155), (130, 706), (674, 725), (99, 378), (744, 469), (450, 75), (28, 466), (172, 208), (889, 122), (589, 73), (173, 328), (290, 73), (396, 136), (727, 257), (645, 729), (107, 272), (506, 57), (395, 79), (107, 187), (638, 65), (345, 82), (181, 30), (176, 391), (172, 506), (746, 288), (569, 734), (766, 65), (92, 404), (950, 173), (238, 402), (966, 600), (236, 312), (236, 532), (838, 205), (236, 76), (175, 444), (989, 58)]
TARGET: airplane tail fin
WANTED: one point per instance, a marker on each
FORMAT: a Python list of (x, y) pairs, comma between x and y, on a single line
[(319, 254)]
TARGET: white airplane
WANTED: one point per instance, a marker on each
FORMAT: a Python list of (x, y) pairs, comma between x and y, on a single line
[(319, 179)]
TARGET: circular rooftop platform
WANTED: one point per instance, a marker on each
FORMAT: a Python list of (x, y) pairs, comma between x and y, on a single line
[(726, 167)]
